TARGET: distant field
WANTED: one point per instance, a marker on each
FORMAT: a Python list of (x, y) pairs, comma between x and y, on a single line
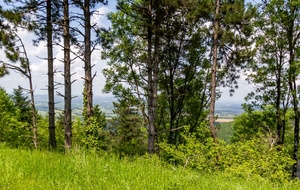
[(223, 109), (221, 120)]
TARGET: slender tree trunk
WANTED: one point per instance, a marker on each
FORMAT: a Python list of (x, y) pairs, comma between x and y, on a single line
[(214, 73), (296, 127), (151, 120), (293, 86), (52, 138), (153, 69), (67, 76), (155, 73), (27, 73), (33, 110), (283, 127), (171, 108), (88, 80), (278, 97)]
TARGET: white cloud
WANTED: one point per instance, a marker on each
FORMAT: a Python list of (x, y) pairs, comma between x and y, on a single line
[(99, 16), (238, 96), (37, 55)]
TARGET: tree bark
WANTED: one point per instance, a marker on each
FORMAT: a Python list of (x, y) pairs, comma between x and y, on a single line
[(88, 80), (26, 71), (155, 73), (293, 87), (153, 69), (151, 108), (283, 127), (67, 77), (214, 73), (278, 98), (33, 110), (295, 101), (52, 138), (296, 127)]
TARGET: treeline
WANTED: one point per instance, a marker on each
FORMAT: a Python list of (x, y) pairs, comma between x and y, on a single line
[(166, 62)]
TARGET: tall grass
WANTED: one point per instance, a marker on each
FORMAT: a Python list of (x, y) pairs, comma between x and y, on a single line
[(21, 169)]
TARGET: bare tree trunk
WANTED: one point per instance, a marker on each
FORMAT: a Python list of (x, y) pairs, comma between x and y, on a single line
[(151, 109), (52, 138), (67, 76), (296, 127), (26, 71), (293, 87), (88, 80), (153, 69), (283, 127), (214, 73), (278, 109), (155, 75), (33, 110)]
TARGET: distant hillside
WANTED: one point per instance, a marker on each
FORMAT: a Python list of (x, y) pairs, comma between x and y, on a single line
[(228, 109), (223, 109), (105, 102)]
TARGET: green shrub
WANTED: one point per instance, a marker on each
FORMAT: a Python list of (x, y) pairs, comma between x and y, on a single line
[(253, 124), (251, 158), (256, 158), (193, 153)]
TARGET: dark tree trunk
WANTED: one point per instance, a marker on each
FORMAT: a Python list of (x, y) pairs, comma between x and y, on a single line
[(283, 127), (296, 127), (175, 98), (52, 138), (88, 79), (151, 108), (214, 73), (67, 76), (278, 97), (296, 137), (201, 106), (153, 69), (155, 73), (171, 106), (293, 87)]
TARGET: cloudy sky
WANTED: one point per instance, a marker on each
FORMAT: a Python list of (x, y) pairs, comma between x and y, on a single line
[(37, 54), (39, 66)]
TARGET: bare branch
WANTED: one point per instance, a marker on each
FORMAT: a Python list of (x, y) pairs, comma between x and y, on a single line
[(60, 94), (175, 129)]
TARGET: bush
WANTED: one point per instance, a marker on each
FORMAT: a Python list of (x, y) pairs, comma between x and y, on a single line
[(193, 153), (249, 158), (256, 158)]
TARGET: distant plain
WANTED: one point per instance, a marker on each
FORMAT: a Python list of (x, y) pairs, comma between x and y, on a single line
[(224, 110)]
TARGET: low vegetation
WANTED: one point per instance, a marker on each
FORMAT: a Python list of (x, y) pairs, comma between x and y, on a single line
[(24, 169)]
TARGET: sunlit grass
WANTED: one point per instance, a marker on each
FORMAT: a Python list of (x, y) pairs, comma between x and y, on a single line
[(20, 169)]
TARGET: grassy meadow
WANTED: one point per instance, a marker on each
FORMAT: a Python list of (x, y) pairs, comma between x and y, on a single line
[(24, 169)]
